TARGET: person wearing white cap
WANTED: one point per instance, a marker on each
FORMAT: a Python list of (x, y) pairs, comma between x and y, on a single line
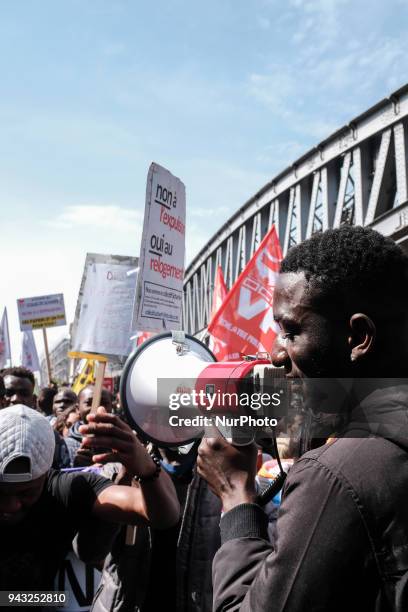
[(41, 510)]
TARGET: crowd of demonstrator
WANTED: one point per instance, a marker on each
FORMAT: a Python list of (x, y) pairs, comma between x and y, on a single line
[(182, 529)]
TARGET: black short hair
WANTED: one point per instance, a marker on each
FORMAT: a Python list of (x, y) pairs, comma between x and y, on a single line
[(105, 394), (70, 392), (19, 372), (46, 398), (354, 266), (2, 387)]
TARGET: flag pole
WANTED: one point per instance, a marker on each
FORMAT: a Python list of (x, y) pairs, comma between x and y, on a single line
[(8, 338)]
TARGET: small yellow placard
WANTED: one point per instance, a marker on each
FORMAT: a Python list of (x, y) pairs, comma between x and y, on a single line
[(80, 355)]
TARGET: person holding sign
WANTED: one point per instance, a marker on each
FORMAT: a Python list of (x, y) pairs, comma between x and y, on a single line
[(36, 500), (19, 389)]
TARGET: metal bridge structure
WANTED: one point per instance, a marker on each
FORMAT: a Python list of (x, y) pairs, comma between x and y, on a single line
[(358, 175)]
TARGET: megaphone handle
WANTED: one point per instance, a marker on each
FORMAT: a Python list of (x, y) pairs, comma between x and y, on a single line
[(270, 492)]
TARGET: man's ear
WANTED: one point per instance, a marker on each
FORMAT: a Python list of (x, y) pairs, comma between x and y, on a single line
[(362, 337)]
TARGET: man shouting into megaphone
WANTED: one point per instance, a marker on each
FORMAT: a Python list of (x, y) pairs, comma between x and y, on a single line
[(341, 302)]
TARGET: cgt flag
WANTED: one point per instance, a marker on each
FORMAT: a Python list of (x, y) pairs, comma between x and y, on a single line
[(217, 346), (5, 352), (245, 320), (29, 355), (219, 293)]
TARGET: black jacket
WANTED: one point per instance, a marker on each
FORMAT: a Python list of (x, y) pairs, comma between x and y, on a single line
[(136, 577), (342, 531), (199, 540)]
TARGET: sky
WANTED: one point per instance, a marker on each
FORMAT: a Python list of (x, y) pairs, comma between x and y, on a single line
[(223, 93)]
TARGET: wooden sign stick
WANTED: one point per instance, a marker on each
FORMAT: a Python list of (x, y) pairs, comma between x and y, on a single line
[(100, 375), (47, 353)]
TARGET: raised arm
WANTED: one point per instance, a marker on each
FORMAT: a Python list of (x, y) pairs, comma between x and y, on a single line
[(322, 542), (153, 499)]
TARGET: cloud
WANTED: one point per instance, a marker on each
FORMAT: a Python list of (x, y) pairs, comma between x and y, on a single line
[(318, 20), (115, 218), (40, 269), (102, 223), (330, 72), (278, 91), (364, 69)]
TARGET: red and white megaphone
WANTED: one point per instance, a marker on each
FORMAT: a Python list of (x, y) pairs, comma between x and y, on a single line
[(167, 367)]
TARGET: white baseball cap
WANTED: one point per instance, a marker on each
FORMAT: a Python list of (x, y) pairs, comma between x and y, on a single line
[(25, 433)]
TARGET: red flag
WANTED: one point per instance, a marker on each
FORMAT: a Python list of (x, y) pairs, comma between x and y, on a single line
[(217, 346), (219, 293), (245, 320)]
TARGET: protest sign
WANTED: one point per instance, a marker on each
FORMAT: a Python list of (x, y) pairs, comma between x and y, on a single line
[(106, 310), (92, 258), (158, 301), (84, 375), (90, 372), (126, 263), (245, 320), (41, 311)]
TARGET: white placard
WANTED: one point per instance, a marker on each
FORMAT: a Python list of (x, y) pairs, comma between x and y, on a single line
[(41, 311), (106, 310), (158, 303)]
